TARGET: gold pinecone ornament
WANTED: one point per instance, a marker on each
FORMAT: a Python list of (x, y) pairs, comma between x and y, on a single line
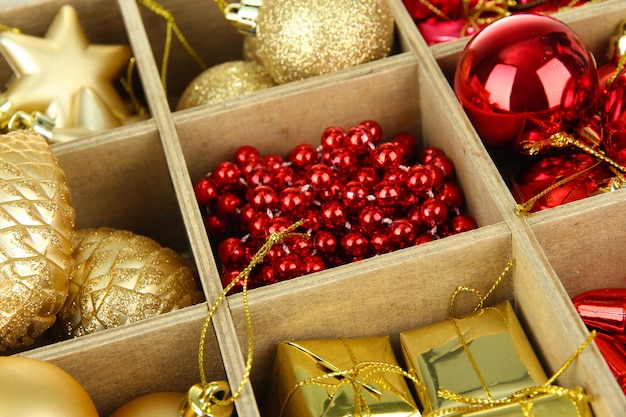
[(36, 238), (122, 277)]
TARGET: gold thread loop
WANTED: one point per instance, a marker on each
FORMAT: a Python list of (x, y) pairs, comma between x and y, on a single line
[(171, 27), (243, 278)]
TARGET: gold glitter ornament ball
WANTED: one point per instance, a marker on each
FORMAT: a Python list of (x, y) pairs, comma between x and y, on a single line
[(300, 39), (225, 81), (36, 238), (121, 277)]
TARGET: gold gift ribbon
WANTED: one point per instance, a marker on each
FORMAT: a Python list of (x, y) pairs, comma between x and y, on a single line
[(209, 398), (360, 377), (525, 397)]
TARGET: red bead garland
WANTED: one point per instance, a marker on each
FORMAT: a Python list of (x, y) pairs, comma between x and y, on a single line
[(357, 196)]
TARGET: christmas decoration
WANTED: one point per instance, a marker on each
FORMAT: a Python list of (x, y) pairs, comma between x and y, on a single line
[(617, 47), (225, 81), (555, 180), (296, 40), (447, 20), (36, 237), (64, 77), (30, 387), (604, 310), (121, 277), (524, 78), (161, 404), (358, 198)]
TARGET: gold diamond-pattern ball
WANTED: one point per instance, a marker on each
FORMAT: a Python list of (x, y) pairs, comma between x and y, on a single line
[(225, 81), (122, 277), (300, 39), (36, 237)]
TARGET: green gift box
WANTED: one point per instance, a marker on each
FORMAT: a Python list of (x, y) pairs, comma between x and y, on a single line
[(338, 378)]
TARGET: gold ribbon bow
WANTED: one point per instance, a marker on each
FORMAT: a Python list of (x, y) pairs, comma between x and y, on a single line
[(524, 398), (363, 377)]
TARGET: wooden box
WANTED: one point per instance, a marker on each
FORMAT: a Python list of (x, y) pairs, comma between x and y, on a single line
[(139, 177)]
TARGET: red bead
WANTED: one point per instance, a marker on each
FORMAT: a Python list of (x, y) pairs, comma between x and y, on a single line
[(434, 212), (407, 145), (450, 194), (320, 176), (419, 179), (402, 233), (312, 263), (354, 245), (438, 176), (354, 195), (303, 156), (292, 202), (333, 214), (388, 193), (283, 177), (446, 165), (366, 175), (425, 238), (215, 225), (228, 276), (311, 219), (206, 191), (386, 156), (325, 242), (299, 246), (359, 140), (428, 153), (277, 224), (380, 242), (243, 153), (333, 192), (414, 215), (258, 226), (374, 129), (462, 223), (226, 248), (287, 267), (259, 175), (332, 137), (371, 218), (263, 198), (266, 275), (273, 162), (226, 174), (275, 252), (246, 215), (343, 161), (228, 205)]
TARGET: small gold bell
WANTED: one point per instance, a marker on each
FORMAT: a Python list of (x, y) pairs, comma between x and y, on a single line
[(200, 398)]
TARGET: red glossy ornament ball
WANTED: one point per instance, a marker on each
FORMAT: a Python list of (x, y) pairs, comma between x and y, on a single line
[(380, 242), (374, 129), (263, 198), (386, 156), (325, 242), (332, 137), (333, 214), (402, 233), (434, 212), (359, 140), (226, 174), (461, 223), (242, 154), (206, 191), (614, 119), (525, 73), (287, 267)]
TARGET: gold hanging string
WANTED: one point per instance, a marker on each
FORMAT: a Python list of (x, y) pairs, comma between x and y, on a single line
[(127, 83), (243, 278), (171, 27), (525, 207)]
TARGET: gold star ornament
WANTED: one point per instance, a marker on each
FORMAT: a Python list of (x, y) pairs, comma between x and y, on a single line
[(52, 72)]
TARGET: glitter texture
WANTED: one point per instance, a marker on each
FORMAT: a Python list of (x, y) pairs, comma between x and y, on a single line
[(120, 278), (297, 40), (36, 237), (224, 81)]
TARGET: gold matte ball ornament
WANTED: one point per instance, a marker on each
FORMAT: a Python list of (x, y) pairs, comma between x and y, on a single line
[(31, 387), (225, 81), (299, 39), (36, 238), (121, 277)]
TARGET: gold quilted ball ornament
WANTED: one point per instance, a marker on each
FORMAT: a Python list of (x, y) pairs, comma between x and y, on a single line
[(299, 39), (121, 277), (31, 387), (36, 238), (225, 81)]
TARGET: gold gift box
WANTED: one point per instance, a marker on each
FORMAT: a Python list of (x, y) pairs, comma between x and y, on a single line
[(545, 406), (336, 378), (501, 352)]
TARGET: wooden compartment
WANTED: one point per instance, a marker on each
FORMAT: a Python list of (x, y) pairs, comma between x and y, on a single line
[(139, 177)]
